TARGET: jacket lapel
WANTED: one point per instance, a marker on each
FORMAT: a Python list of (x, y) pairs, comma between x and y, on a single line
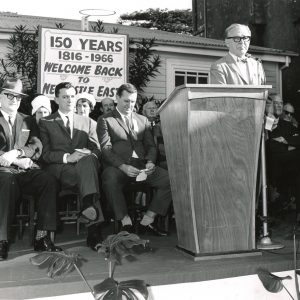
[(59, 121), (118, 117), (5, 127), (235, 69)]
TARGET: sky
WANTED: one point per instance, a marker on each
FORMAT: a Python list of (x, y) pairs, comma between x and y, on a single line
[(70, 9)]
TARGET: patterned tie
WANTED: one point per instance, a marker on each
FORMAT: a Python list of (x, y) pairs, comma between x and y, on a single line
[(68, 125)]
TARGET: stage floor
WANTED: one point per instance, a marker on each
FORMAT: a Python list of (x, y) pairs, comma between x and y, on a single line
[(164, 265)]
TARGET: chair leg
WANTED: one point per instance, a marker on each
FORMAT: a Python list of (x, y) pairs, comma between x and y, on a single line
[(31, 220), (21, 221)]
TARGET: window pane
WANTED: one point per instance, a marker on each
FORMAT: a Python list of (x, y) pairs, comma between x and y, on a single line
[(191, 79), (202, 80), (179, 80)]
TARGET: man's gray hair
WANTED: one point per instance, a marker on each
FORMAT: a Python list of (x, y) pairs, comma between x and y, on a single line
[(233, 26)]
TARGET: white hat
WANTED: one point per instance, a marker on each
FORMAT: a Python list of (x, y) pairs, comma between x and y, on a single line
[(40, 101), (87, 96)]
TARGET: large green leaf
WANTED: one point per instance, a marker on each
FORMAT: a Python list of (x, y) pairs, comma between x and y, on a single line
[(58, 263), (271, 282), (110, 289)]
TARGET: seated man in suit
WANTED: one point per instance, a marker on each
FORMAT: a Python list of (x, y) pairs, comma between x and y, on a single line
[(128, 146), (237, 67), (71, 153), (19, 145)]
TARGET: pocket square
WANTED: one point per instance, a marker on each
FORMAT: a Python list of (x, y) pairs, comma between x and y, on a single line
[(25, 130)]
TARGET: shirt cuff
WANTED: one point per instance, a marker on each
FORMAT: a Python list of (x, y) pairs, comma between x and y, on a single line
[(65, 158)]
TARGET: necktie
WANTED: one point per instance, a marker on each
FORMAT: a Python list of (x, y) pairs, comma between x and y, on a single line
[(11, 123), (11, 137), (128, 123), (68, 125)]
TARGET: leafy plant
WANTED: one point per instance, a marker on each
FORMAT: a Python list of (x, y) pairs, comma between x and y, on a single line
[(22, 57), (60, 264), (114, 247), (273, 283), (179, 20)]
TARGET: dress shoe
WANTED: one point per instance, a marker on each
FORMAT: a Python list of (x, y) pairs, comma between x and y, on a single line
[(128, 228), (94, 236), (45, 244), (152, 229), (3, 250)]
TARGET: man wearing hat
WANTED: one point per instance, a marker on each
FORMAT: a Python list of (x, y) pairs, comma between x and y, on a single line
[(19, 146), (71, 152), (237, 67)]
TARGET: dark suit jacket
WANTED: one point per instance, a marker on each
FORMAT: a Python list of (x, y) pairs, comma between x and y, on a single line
[(26, 137), (226, 71), (289, 132), (115, 141), (56, 140)]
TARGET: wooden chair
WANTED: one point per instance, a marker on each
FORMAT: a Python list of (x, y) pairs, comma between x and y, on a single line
[(28, 216), (70, 215)]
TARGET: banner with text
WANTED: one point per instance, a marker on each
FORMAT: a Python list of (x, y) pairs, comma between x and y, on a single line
[(96, 63)]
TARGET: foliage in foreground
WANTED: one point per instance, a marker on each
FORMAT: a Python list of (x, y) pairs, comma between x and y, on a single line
[(114, 247)]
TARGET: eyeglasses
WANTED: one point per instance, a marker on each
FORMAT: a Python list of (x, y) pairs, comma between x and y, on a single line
[(238, 39), (288, 113), (12, 96)]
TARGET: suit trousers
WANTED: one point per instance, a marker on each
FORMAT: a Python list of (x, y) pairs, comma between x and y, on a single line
[(38, 183), (81, 177), (114, 181)]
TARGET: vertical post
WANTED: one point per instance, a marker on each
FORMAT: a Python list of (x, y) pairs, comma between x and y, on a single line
[(264, 183), (85, 23)]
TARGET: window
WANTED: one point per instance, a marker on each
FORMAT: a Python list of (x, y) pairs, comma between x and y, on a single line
[(186, 71), (186, 77)]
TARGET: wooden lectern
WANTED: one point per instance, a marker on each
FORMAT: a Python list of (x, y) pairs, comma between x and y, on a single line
[(212, 137)]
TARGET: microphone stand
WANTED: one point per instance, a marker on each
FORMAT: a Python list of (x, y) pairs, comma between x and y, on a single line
[(265, 242)]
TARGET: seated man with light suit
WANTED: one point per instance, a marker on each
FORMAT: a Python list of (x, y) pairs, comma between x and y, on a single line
[(71, 153), (127, 147), (237, 67), (19, 146)]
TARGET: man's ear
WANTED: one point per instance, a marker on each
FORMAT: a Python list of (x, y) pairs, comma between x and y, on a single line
[(56, 100), (226, 43)]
